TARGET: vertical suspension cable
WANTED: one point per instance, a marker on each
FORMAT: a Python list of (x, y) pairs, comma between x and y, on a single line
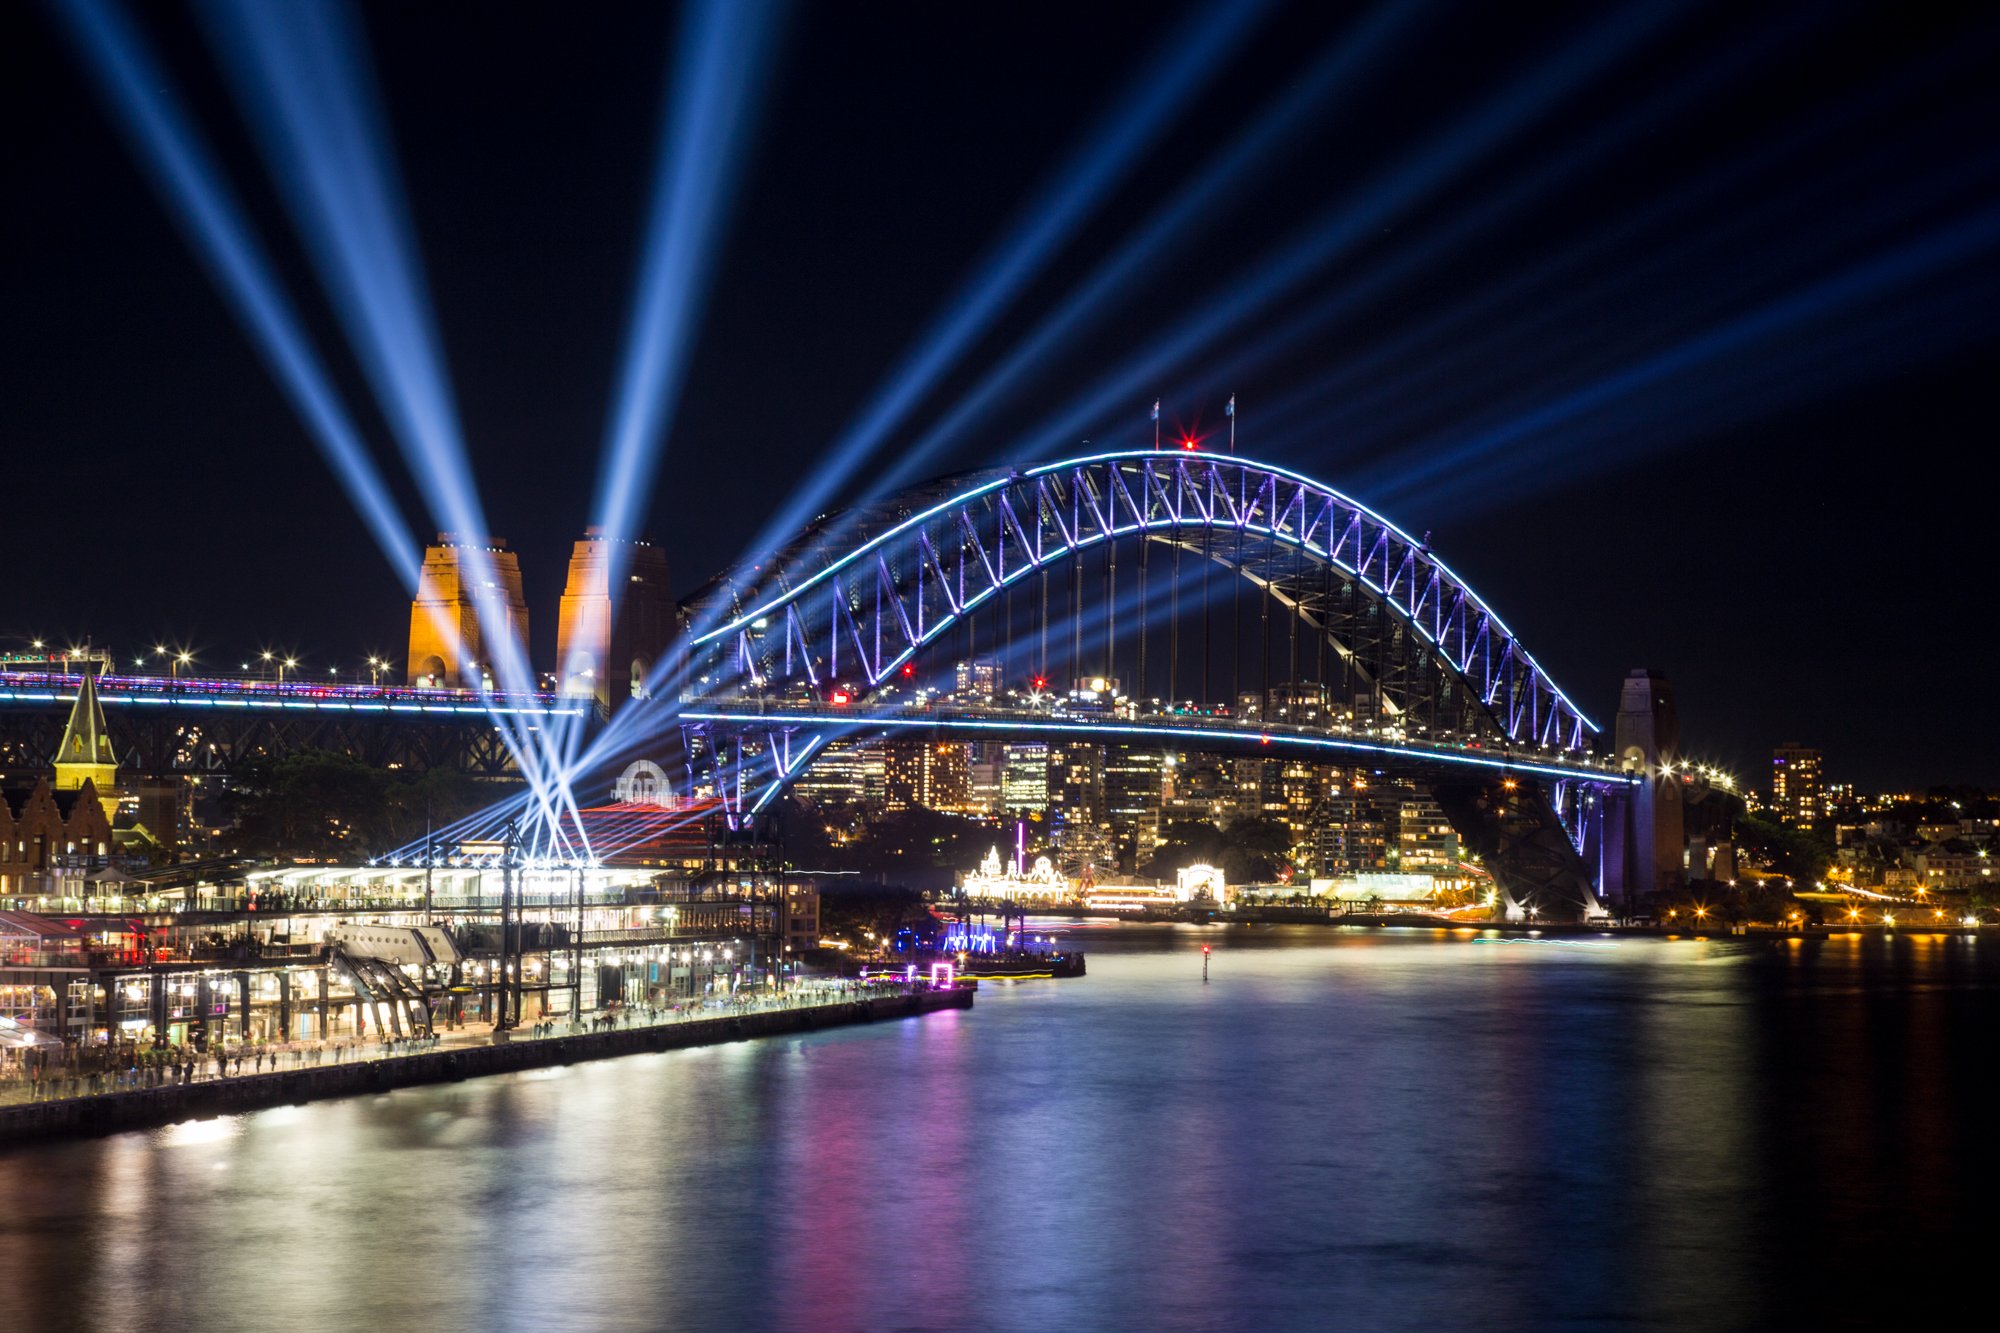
[(1110, 608), (1007, 636), (1264, 638), (1042, 661), (1207, 610), (1325, 626), (1298, 572), (1076, 617), (1236, 648), (1144, 624), (1174, 626)]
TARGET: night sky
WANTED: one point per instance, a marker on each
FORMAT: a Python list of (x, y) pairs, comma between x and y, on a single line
[(1690, 369)]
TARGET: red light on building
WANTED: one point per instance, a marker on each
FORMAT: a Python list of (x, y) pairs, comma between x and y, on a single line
[(909, 668), (840, 698)]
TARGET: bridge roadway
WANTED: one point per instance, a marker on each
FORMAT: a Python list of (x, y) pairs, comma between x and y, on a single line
[(1338, 742), (161, 725), (45, 687)]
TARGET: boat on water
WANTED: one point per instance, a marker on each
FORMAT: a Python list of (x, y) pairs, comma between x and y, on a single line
[(1020, 965), (975, 949)]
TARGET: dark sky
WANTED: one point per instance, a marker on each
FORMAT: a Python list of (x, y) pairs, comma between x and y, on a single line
[(1720, 366)]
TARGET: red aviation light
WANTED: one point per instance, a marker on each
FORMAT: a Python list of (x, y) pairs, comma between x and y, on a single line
[(909, 668)]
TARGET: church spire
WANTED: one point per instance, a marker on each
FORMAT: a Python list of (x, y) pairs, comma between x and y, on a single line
[(86, 753)]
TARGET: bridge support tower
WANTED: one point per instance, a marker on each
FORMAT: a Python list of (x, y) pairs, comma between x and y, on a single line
[(608, 643), (1644, 834), (455, 598)]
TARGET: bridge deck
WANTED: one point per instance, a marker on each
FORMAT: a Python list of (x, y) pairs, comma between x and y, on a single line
[(45, 688), (1195, 732)]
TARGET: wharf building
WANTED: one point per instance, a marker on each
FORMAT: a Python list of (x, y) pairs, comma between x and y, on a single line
[(63, 830), (686, 910)]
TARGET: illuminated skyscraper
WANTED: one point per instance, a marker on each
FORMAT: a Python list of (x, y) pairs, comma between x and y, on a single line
[(846, 773), (976, 681), (1795, 785), (1076, 783), (932, 775), (1135, 782), (1024, 778), (985, 775)]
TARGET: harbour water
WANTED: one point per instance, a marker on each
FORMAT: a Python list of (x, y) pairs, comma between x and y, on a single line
[(1360, 1129)]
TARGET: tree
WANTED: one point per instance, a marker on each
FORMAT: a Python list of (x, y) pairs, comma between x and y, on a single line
[(1248, 851), (313, 803), (1797, 855), (1183, 843), (917, 846), (326, 805), (849, 911)]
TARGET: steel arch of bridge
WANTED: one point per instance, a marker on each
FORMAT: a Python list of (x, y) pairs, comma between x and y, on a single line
[(858, 597)]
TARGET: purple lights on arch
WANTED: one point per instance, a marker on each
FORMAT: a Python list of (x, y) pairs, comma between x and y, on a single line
[(815, 613)]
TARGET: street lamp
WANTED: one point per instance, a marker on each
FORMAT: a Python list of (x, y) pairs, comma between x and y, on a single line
[(375, 668), (269, 659), (286, 665)]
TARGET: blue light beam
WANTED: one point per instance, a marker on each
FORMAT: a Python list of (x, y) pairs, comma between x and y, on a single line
[(1170, 82), (1975, 238), (1177, 221), (1336, 230), (301, 75), (722, 56), (184, 172)]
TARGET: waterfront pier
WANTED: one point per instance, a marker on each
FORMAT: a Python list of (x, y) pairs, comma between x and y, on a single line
[(141, 1099)]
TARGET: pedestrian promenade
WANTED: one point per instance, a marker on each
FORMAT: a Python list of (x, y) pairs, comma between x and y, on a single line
[(141, 1068)]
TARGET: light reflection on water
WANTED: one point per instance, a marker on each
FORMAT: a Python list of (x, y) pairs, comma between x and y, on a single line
[(1385, 1129)]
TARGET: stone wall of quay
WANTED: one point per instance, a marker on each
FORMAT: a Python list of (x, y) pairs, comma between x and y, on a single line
[(110, 1113)]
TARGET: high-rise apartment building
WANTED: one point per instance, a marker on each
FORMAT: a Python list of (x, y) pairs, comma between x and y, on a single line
[(985, 767), (977, 681), (1024, 778), (1795, 785), (1135, 782), (1076, 782), (846, 774), (933, 775)]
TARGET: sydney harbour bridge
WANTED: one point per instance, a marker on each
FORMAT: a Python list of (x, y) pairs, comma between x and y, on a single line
[(1210, 602)]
